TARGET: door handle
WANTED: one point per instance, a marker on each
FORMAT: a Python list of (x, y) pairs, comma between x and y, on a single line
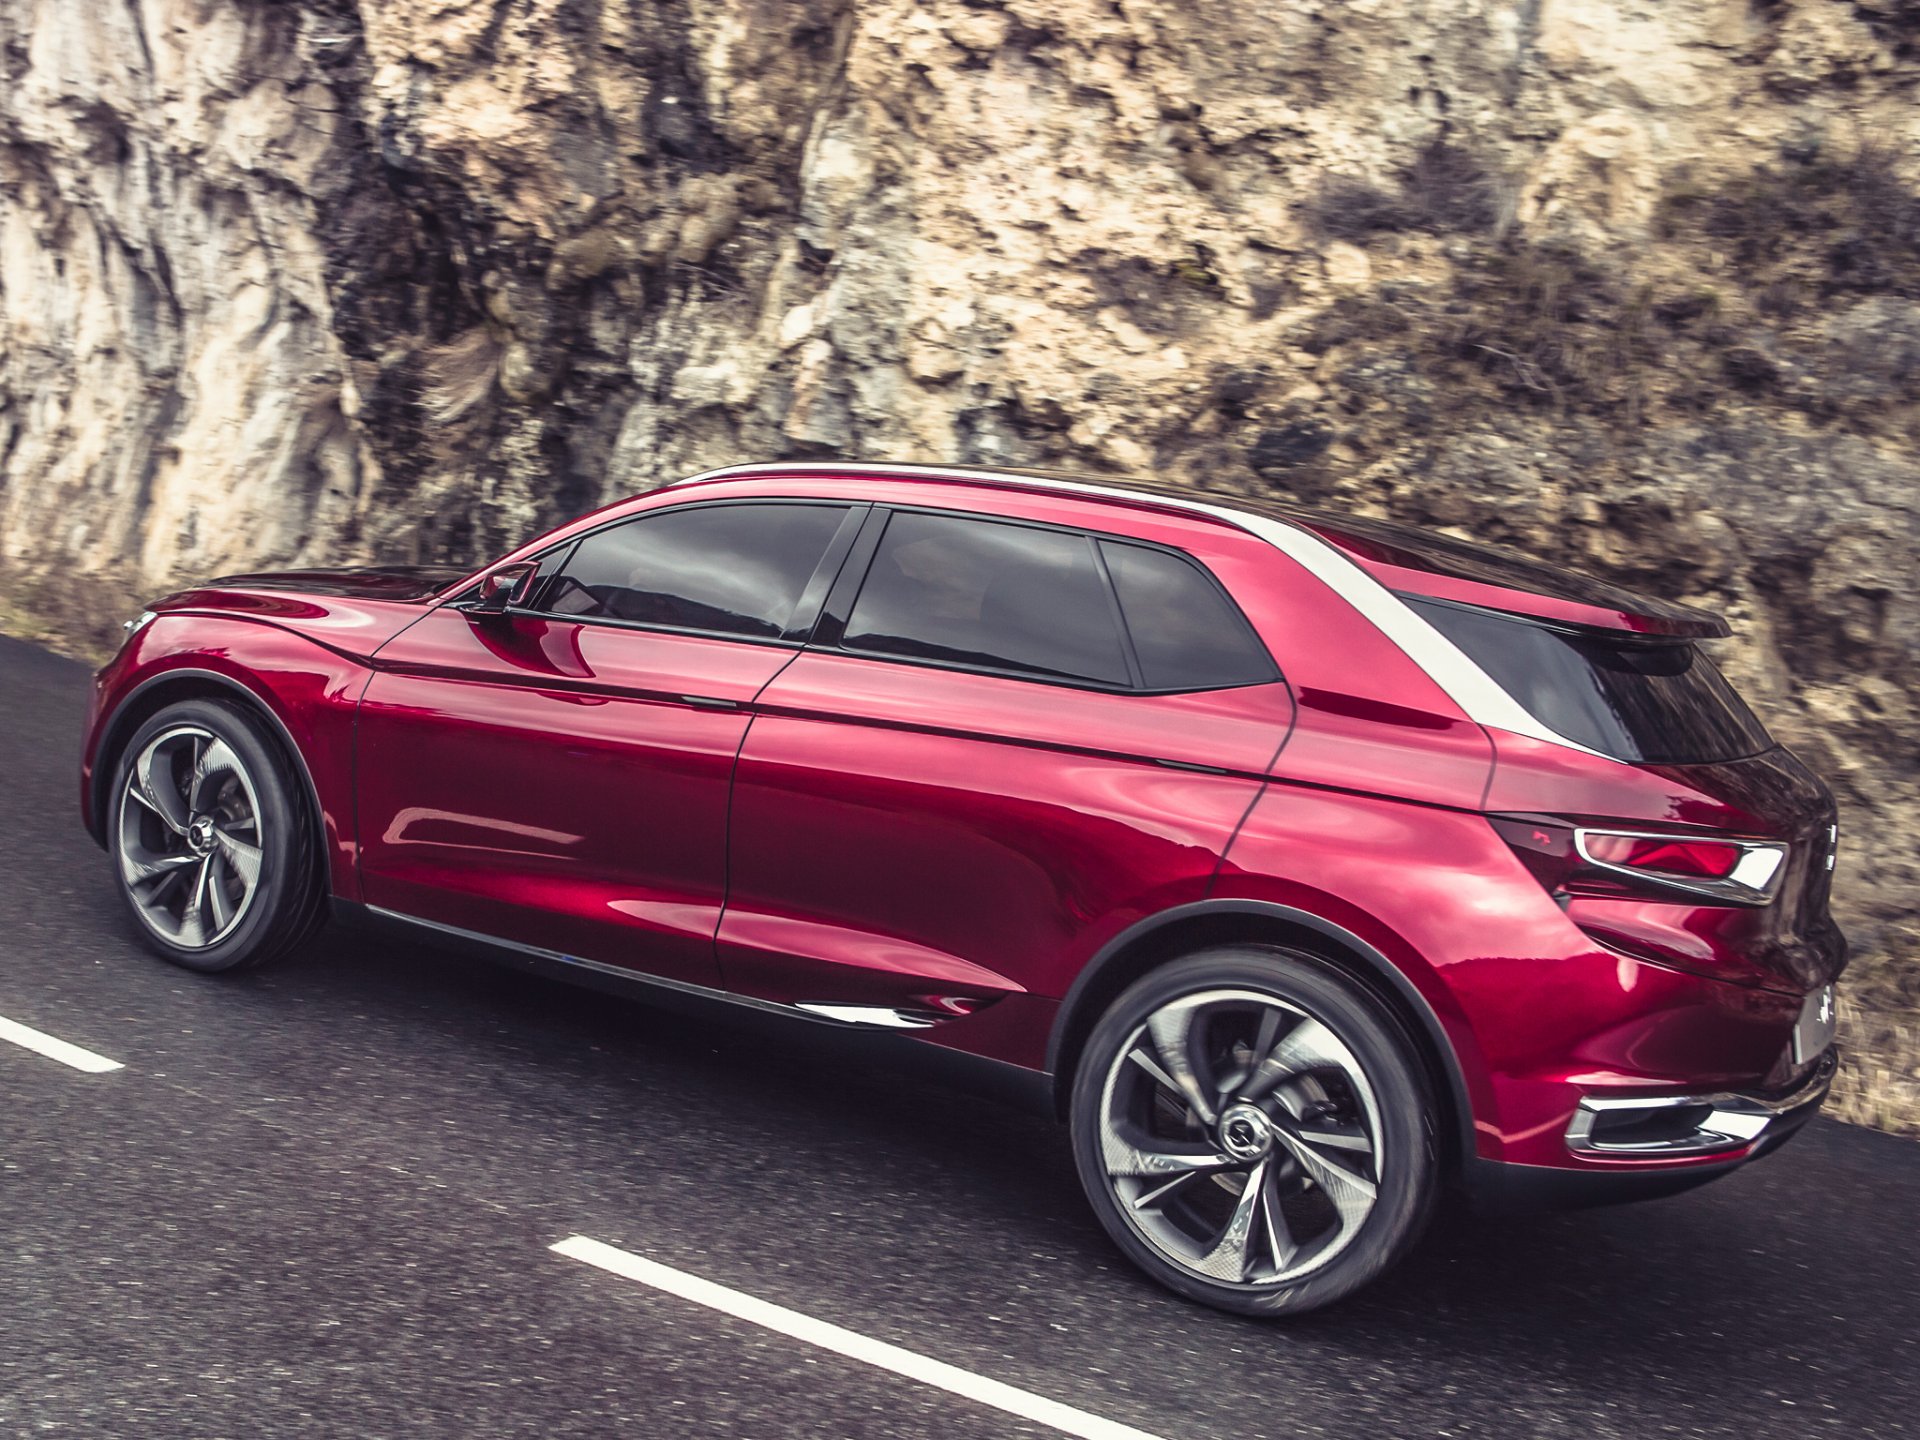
[(709, 702), (1195, 767)]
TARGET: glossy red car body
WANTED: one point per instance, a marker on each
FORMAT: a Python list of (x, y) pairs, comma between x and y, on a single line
[(990, 859)]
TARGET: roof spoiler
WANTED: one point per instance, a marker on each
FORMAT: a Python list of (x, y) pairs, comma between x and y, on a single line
[(1443, 567)]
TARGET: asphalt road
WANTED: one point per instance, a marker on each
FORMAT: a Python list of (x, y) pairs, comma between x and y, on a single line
[(319, 1200)]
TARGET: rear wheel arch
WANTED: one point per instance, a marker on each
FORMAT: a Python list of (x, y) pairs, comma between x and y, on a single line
[(1162, 938), (152, 696)]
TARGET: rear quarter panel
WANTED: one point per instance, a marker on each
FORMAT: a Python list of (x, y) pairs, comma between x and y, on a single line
[(1535, 1011)]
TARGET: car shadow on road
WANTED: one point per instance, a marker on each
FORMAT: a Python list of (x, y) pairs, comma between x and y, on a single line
[(1788, 1280)]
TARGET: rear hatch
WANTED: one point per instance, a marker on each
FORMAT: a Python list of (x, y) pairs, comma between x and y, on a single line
[(1676, 795), (1635, 849)]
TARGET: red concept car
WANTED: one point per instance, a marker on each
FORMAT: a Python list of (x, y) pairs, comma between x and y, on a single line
[(1305, 864)]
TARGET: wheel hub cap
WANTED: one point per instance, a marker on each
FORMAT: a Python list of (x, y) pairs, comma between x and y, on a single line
[(1244, 1133), (200, 835)]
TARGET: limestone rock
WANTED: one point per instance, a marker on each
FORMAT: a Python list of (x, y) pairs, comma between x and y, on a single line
[(1598, 183)]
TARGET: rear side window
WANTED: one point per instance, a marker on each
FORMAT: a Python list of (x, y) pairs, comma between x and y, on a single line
[(990, 596), (725, 569), (1660, 703), (1186, 633)]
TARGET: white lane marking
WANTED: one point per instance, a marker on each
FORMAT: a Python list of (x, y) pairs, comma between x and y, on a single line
[(1025, 1404), (54, 1049)]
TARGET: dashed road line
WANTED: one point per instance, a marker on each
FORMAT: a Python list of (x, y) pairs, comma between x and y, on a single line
[(854, 1346), (55, 1049)]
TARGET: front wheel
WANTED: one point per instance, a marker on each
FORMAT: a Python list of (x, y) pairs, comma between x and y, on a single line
[(1253, 1131), (211, 842)]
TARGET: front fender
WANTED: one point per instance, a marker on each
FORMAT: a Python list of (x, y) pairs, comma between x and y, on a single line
[(306, 691)]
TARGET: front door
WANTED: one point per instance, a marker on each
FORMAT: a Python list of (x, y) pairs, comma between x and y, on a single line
[(558, 776)]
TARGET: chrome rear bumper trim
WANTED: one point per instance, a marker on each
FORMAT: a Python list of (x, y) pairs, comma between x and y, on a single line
[(1731, 1122)]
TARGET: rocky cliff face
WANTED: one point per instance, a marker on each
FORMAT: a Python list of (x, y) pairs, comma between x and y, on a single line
[(1634, 284)]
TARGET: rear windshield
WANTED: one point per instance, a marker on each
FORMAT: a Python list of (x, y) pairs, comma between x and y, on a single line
[(1656, 703)]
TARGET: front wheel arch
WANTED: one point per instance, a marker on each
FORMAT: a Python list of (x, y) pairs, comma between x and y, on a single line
[(229, 816), (1162, 938), (153, 695)]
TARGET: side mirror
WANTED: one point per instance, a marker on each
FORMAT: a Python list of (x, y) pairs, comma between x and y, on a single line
[(504, 586)]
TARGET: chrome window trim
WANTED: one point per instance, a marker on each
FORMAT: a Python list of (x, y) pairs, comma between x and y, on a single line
[(1480, 698)]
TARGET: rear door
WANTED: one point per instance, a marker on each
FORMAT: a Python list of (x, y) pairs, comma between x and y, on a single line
[(986, 764), (557, 776)]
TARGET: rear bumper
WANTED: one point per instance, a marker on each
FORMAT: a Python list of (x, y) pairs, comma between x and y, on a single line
[(1665, 1127), (1709, 1136)]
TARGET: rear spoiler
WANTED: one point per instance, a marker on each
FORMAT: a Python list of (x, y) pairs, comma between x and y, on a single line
[(1463, 572)]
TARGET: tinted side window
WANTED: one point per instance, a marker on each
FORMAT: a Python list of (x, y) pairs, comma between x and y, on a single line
[(1002, 597), (1186, 633), (733, 569)]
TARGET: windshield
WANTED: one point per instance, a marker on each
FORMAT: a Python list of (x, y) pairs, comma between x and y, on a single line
[(1660, 703)]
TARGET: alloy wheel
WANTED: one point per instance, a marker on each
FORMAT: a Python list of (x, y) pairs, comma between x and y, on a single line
[(1241, 1137), (191, 842)]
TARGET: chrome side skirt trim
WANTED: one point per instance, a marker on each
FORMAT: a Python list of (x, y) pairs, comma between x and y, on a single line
[(1731, 1121), (883, 1017), (1478, 695), (855, 1017)]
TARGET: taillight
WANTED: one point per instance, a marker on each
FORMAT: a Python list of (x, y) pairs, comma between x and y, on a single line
[(1663, 855), (1572, 859)]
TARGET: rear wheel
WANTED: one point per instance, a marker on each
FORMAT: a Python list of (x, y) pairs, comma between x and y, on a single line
[(211, 841), (1253, 1131)]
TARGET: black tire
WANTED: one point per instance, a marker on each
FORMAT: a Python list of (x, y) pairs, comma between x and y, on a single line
[(1124, 1114), (251, 794)]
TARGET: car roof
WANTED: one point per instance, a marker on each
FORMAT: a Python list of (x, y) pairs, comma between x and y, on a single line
[(1406, 559)]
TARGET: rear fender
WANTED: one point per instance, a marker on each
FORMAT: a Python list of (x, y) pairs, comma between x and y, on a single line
[(1176, 930)]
